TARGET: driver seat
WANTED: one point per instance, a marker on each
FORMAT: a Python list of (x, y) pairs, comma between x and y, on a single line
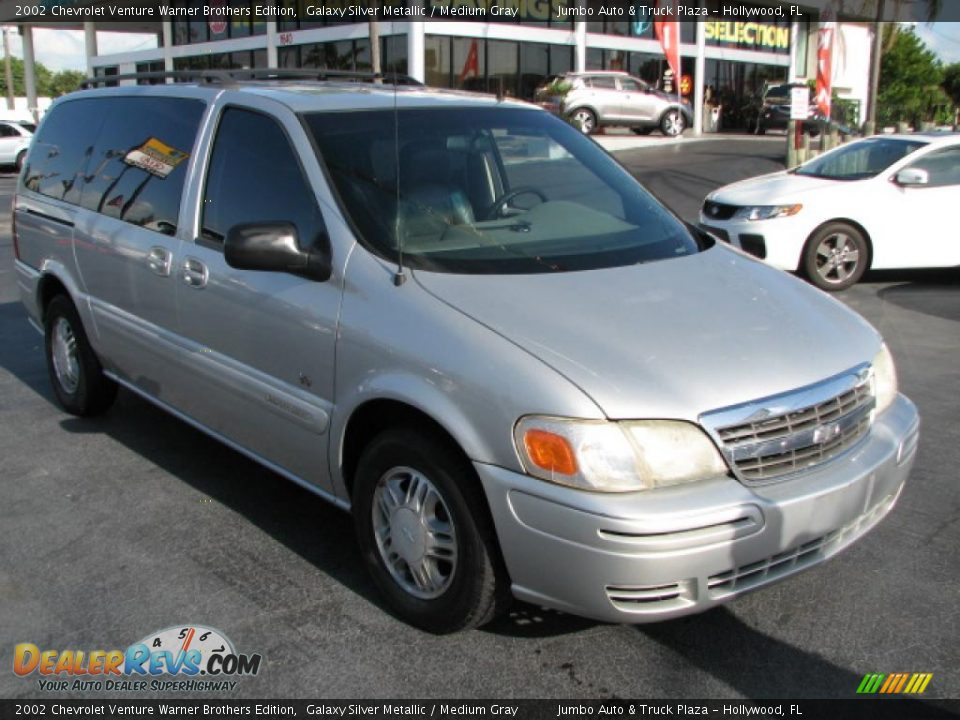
[(425, 186)]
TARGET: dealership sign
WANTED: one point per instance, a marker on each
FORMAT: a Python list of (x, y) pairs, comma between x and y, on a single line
[(749, 35)]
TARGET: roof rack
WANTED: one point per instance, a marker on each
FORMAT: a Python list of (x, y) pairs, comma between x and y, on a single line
[(232, 77)]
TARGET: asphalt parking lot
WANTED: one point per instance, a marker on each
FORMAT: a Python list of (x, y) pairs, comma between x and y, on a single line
[(116, 527)]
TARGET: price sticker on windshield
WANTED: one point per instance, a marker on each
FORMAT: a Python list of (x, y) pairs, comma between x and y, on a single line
[(799, 103), (156, 157)]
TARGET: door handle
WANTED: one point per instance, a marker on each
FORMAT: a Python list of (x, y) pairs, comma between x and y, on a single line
[(160, 260), (195, 273)]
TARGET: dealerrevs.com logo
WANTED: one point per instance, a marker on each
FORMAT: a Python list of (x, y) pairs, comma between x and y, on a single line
[(188, 658)]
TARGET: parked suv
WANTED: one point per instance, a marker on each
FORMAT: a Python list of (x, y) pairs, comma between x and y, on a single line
[(597, 98), (463, 321)]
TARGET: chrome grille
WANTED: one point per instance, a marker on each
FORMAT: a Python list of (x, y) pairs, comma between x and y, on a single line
[(770, 439)]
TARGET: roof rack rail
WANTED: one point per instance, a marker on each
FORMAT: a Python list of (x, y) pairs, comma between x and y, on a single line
[(232, 77)]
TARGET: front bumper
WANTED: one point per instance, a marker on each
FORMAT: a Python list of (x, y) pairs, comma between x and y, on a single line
[(782, 238), (659, 554)]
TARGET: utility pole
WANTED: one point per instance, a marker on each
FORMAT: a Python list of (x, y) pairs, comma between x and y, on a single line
[(871, 124), (8, 71)]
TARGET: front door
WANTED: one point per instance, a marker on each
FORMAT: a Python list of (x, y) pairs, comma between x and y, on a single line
[(919, 227), (637, 101), (260, 344)]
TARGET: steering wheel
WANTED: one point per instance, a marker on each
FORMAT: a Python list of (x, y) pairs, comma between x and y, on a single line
[(500, 204)]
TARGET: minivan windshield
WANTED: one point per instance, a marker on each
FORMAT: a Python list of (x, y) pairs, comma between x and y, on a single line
[(490, 190), (860, 160)]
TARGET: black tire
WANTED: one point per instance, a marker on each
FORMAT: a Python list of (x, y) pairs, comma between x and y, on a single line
[(645, 130), (835, 256), (93, 392), (21, 156), (585, 119), (478, 586), (673, 123)]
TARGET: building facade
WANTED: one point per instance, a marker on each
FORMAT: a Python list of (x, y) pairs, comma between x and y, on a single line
[(725, 64)]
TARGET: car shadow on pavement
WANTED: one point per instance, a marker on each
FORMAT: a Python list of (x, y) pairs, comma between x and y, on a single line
[(752, 663), (308, 525), (931, 292)]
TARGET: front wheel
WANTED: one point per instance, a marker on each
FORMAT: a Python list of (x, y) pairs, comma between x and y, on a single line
[(672, 123), (425, 533), (75, 372), (835, 256), (585, 119)]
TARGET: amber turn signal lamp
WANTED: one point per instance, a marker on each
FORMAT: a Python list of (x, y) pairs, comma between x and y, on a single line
[(550, 452)]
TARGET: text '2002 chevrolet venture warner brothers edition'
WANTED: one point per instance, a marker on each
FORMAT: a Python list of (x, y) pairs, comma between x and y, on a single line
[(459, 317)]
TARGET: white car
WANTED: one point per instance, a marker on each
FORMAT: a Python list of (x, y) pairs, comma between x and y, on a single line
[(14, 143), (888, 201)]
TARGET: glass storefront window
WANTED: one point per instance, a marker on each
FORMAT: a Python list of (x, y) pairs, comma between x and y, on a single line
[(502, 67), (436, 61), (468, 64), (393, 54)]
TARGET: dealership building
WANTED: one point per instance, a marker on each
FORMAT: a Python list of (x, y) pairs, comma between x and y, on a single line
[(725, 63)]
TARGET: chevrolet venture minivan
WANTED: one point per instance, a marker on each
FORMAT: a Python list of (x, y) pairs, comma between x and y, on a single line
[(461, 319)]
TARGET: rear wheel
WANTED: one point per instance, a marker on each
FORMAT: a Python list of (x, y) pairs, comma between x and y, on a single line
[(835, 256), (75, 372), (425, 532), (672, 123), (585, 119)]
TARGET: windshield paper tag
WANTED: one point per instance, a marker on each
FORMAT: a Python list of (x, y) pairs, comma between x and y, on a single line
[(156, 157)]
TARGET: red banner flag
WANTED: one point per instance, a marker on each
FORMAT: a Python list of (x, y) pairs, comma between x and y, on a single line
[(668, 31), (825, 37), (472, 64)]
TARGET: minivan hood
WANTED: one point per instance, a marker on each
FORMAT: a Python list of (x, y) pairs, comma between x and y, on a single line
[(770, 189), (673, 338)]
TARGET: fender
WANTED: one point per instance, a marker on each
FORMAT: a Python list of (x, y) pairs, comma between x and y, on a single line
[(417, 392)]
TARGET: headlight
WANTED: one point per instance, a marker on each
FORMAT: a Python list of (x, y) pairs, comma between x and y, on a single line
[(767, 212), (616, 456), (884, 379)]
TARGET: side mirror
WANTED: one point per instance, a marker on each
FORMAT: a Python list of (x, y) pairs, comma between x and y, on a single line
[(912, 176), (274, 246)]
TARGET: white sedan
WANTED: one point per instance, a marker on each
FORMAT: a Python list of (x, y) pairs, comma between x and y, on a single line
[(888, 201), (14, 143)]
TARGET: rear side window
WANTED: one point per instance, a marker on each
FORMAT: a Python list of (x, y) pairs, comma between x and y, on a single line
[(138, 166), (255, 176), (58, 157), (7, 131)]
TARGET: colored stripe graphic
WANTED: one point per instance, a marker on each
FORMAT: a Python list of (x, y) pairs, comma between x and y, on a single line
[(894, 683), (870, 683)]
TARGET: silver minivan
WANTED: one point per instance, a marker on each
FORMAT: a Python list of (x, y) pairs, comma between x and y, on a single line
[(461, 319)]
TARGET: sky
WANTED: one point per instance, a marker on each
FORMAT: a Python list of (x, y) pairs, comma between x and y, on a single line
[(63, 49), (943, 38)]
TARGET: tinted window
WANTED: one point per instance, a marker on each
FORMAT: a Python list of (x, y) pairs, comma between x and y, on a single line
[(138, 165), (604, 83), (861, 159), (942, 165), (60, 151), (255, 176), (7, 131)]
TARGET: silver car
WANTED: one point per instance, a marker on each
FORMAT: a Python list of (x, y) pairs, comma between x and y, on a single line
[(461, 320), (598, 98)]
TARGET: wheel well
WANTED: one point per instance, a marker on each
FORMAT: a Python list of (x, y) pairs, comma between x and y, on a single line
[(50, 287), (375, 416), (846, 221)]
